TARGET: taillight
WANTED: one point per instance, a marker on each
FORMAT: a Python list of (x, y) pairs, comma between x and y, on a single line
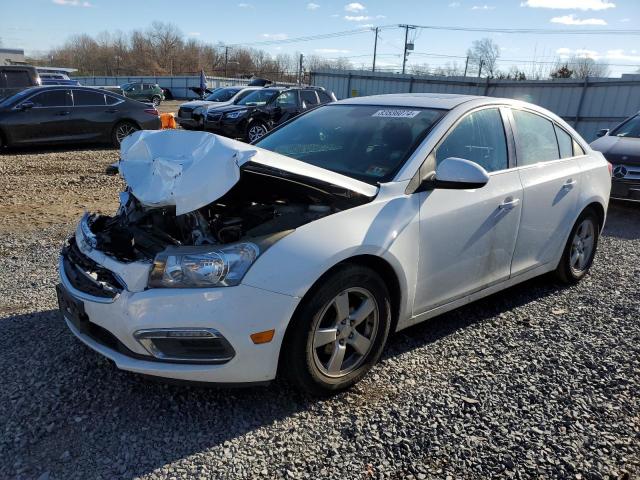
[(610, 166), (151, 111)]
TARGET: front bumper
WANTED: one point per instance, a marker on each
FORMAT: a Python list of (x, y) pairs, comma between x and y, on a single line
[(232, 128), (625, 189), (235, 312)]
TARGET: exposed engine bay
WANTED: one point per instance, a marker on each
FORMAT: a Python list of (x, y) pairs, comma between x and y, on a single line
[(263, 203)]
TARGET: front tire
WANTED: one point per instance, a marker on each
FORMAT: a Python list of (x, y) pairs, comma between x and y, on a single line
[(338, 332), (256, 130), (581, 248), (121, 131), (156, 101)]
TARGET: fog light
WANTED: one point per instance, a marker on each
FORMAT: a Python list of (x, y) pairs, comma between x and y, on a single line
[(186, 345)]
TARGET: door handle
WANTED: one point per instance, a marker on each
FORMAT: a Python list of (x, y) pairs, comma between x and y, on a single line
[(509, 203), (569, 184), (62, 114)]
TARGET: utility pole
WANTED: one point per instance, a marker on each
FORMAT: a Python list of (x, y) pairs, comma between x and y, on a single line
[(375, 49), (226, 59), (480, 68), (406, 45), (300, 70), (466, 65)]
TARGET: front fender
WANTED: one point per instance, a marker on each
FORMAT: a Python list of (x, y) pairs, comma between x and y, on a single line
[(384, 228)]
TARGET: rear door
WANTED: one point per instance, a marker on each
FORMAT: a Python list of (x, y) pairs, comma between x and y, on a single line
[(550, 177), (92, 118), (285, 107), (49, 119)]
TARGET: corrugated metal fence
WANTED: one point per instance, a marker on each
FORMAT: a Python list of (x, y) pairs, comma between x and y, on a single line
[(179, 85), (588, 105)]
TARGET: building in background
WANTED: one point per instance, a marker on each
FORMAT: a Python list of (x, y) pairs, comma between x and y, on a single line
[(12, 56)]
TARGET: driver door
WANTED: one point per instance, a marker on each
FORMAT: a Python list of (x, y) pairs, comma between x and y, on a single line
[(467, 237)]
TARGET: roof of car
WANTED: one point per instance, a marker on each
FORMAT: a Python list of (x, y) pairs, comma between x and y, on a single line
[(426, 100)]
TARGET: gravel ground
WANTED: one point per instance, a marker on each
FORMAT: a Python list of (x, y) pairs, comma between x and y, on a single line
[(539, 381)]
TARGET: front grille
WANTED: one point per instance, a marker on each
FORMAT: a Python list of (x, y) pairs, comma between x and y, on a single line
[(86, 275)]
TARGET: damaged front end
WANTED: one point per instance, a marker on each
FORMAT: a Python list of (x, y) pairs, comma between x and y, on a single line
[(245, 200)]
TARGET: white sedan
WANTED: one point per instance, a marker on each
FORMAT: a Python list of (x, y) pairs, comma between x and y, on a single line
[(297, 256)]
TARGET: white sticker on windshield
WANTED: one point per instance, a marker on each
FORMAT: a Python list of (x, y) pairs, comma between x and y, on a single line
[(396, 113)]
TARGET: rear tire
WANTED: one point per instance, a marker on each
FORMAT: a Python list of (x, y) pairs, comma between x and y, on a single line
[(121, 131), (580, 249), (338, 332)]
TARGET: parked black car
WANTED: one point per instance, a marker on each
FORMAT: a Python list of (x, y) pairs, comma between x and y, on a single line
[(257, 113), (621, 147), (59, 114), (14, 78)]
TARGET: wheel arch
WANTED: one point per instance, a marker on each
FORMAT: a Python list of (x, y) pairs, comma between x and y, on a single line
[(599, 210), (378, 264)]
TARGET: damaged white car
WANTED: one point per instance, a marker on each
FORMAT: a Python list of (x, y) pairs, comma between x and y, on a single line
[(234, 263)]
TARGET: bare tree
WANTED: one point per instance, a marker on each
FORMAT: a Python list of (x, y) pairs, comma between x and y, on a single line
[(484, 52), (579, 67)]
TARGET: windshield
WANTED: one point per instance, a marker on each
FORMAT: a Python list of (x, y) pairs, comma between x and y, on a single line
[(369, 143), (222, 94), (258, 98), (630, 128)]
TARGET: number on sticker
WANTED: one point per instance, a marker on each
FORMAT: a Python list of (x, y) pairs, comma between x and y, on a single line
[(396, 113)]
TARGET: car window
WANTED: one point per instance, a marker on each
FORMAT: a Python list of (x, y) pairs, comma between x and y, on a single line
[(222, 94), (478, 137), (258, 97), (52, 98), (309, 97), (324, 97), (17, 78), (630, 128), (243, 94), (287, 99), (565, 143), (536, 138), (112, 100), (84, 98), (366, 142)]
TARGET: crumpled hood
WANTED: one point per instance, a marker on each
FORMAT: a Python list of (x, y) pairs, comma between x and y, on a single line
[(189, 169)]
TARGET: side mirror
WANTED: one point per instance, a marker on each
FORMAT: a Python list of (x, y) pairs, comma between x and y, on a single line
[(28, 105), (602, 132), (456, 174)]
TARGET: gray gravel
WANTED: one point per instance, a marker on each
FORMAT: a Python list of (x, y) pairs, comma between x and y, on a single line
[(537, 381)]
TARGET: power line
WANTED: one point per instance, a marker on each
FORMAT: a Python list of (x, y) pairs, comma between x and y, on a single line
[(536, 31), (308, 38)]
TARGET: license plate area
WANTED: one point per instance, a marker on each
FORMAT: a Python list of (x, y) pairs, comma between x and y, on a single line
[(72, 309)]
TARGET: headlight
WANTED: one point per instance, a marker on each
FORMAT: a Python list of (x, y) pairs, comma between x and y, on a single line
[(204, 266), (236, 114)]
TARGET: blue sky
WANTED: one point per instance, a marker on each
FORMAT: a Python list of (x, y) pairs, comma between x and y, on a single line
[(37, 25)]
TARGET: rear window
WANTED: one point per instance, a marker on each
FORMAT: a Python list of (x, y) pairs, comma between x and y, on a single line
[(17, 78), (83, 98), (536, 138), (309, 97), (324, 97), (565, 142), (369, 143)]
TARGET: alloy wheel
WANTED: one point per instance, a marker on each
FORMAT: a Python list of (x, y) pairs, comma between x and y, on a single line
[(345, 332), (582, 246), (256, 132), (124, 130)]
